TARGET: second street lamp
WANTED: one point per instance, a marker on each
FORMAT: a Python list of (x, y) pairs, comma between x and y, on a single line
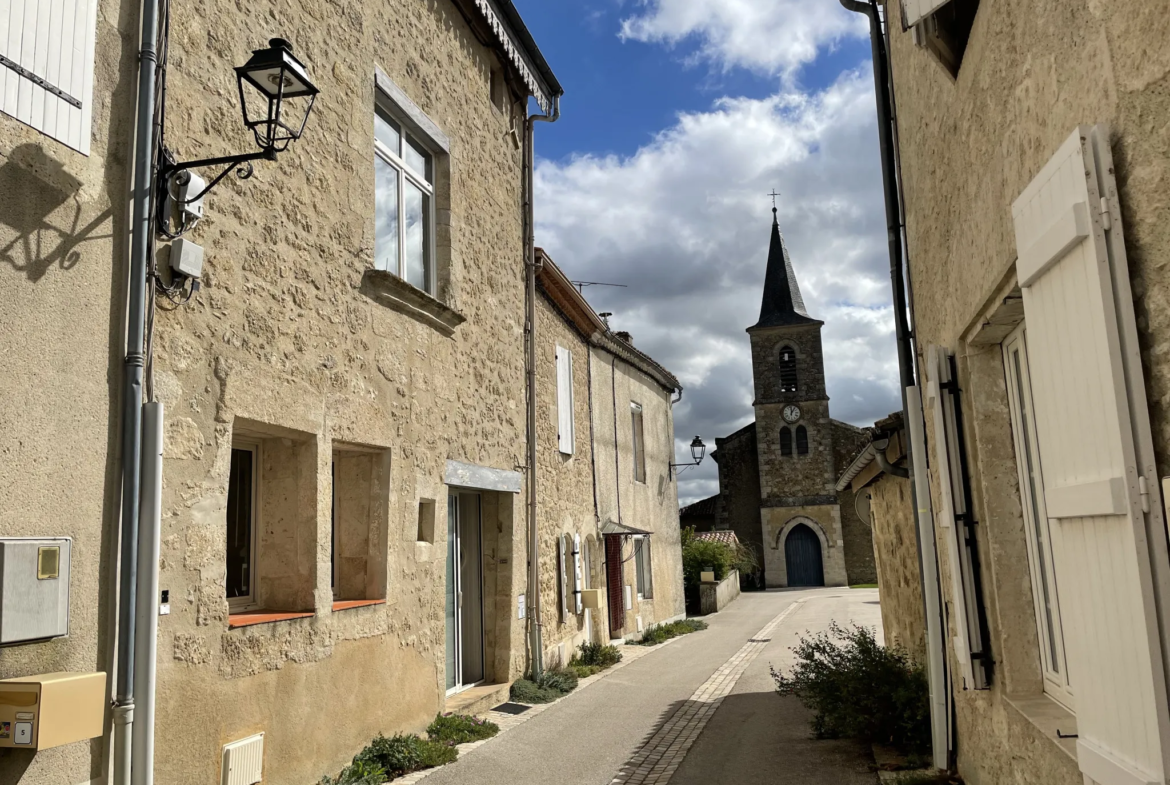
[(698, 450)]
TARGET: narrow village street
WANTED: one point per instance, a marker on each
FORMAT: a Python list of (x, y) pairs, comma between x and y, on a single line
[(616, 729)]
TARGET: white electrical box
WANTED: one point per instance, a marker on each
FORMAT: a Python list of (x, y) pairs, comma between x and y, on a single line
[(243, 761), (194, 185), (34, 588), (187, 258)]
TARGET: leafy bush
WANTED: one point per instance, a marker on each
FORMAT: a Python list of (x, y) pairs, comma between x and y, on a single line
[(460, 729), (562, 680), (602, 655), (857, 688), (652, 636), (552, 684), (358, 773), (401, 754), (584, 671), (701, 556)]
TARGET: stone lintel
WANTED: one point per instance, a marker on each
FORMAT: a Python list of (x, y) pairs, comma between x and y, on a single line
[(482, 478)]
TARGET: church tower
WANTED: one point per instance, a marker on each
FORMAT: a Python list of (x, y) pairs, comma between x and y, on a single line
[(800, 514)]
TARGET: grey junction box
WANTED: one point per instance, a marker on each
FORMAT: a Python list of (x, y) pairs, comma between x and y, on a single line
[(34, 588)]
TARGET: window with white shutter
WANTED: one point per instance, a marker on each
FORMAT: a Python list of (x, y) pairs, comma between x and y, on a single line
[(1093, 434), (46, 66), (563, 570), (578, 585), (955, 521), (914, 11), (565, 423)]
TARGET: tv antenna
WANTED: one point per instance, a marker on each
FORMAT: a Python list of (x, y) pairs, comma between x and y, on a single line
[(582, 284)]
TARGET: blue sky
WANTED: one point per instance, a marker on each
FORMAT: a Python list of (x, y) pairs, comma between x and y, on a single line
[(679, 117)]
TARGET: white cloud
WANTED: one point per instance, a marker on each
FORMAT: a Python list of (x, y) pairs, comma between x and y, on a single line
[(766, 36), (684, 223)]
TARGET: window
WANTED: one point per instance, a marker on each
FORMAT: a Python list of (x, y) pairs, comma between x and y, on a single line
[(801, 440), (945, 30), (565, 422), (404, 176), (639, 443), (46, 75), (788, 379), (642, 563), (785, 441), (1036, 523), (242, 526)]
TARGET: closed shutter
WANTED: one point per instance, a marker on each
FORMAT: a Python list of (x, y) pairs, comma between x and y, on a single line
[(613, 581), (577, 573), (565, 400), (563, 564), (46, 66), (954, 521), (914, 11), (1093, 430)]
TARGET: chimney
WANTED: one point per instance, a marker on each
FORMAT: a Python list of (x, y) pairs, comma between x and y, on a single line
[(625, 336)]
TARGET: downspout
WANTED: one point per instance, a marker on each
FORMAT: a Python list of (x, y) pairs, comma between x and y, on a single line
[(146, 643), (123, 711), (911, 398), (879, 455), (536, 650)]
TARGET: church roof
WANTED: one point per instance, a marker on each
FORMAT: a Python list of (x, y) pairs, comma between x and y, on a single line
[(782, 304)]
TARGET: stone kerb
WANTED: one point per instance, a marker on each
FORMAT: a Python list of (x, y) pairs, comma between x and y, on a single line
[(714, 597)]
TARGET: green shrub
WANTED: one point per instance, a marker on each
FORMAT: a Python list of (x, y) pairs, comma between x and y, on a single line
[(460, 729), (528, 691), (701, 556), (401, 754), (562, 680), (603, 655), (358, 773), (660, 633), (857, 688), (584, 671)]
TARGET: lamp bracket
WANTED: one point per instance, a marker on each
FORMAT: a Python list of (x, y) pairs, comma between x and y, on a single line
[(240, 164)]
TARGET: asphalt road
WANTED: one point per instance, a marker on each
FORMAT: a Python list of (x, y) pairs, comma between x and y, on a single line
[(754, 737)]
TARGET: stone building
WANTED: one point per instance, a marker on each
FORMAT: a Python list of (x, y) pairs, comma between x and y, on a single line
[(345, 396), (777, 475), (1034, 159), (610, 515)]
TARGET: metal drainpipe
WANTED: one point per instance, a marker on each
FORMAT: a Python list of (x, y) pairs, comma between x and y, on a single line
[(123, 712), (536, 653), (146, 643), (911, 402)]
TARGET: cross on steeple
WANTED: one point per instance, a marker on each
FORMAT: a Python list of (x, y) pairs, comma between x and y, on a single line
[(773, 195)]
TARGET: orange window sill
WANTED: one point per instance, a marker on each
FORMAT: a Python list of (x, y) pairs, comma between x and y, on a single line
[(344, 605), (248, 618)]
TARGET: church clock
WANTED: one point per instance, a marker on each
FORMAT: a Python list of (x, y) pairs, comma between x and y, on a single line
[(791, 413)]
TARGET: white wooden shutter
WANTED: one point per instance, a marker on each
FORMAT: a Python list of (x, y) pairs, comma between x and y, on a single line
[(565, 400), (46, 66), (954, 521), (577, 585), (1092, 423), (914, 11)]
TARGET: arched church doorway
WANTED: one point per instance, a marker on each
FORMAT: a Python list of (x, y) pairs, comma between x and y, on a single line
[(802, 556)]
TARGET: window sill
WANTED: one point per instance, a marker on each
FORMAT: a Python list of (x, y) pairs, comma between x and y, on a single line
[(345, 605), (250, 618), (396, 294), (1048, 717)]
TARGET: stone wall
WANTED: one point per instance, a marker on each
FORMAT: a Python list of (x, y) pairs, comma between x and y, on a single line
[(895, 542), (651, 505), (810, 364), (848, 441), (1031, 73), (564, 483), (739, 488), (824, 520)]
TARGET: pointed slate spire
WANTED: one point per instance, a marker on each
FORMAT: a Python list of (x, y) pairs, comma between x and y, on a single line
[(782, 304)]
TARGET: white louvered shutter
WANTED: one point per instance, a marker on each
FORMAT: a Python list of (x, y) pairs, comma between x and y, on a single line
[(577, 585), (1093, 430), (46, 66), (563, 562), (914, 11), (565, 400), (954, 521)]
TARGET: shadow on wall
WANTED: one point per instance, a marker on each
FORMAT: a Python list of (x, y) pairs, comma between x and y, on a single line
[(35, 188)]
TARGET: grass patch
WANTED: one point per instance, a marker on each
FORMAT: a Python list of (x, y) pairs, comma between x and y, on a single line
[(387, 758), (552, 684), (864, 586), (660, 633), (460, 729)]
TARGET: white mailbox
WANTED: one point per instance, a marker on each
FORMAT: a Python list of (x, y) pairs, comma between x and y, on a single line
[(34, 588)]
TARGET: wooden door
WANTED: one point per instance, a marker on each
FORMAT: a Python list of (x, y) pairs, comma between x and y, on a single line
[(802, 555)]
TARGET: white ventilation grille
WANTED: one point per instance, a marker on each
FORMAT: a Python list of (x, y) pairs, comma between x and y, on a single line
[(243, 761)]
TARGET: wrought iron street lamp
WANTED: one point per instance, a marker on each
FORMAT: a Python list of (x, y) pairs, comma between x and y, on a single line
[(698, 450)]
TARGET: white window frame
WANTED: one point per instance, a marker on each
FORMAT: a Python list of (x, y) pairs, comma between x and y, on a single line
[(643, 568), (566, 422), (250, 601), (396, 160), (1041, 562), (638, 441)]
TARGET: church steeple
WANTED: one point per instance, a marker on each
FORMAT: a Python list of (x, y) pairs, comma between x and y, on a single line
[(782, 304)]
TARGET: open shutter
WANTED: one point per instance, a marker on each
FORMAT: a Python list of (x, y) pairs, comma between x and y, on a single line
[(954, 521), (563, 564), (1092, 424), (46, 66), (577, 585), (565, 400), (914, 11)]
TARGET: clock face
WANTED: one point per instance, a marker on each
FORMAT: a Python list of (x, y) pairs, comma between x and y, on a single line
[(791, 413)]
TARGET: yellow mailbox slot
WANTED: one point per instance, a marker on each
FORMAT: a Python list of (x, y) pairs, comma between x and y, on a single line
[(39, 712)]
